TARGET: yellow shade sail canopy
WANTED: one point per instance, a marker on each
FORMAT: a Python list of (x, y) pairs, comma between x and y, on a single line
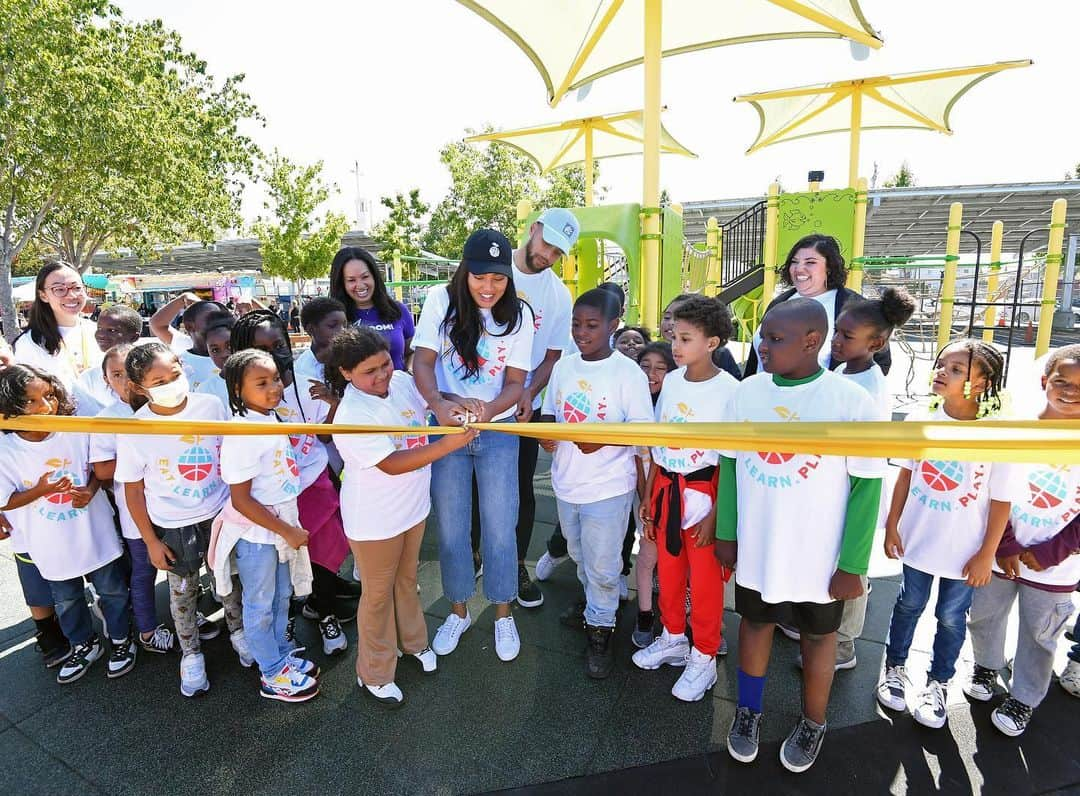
[(560, 144), (916, 101), (573, 42)]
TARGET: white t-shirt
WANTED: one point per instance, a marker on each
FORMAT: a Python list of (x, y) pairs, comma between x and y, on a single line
[(1053, 500), (496, 353), (948, 503), (826, 300), (873, 381), (181, 341), (79, 352), (382, 505), (215, 386), (103, 449), (181, 475), (268, 461), (306, 366), (198, 369), (683, 401), (550, 301), (612, 390), (297, 406), (63, 541), (792, 507)]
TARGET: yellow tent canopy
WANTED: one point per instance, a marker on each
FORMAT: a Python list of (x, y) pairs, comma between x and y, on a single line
[(560, 144), (915, 101)]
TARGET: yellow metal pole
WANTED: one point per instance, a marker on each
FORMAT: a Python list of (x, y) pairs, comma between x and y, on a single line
[(772, 233), (858, 237), (650, 243), (399, 274), (1050, 279), (712, 246), (948, 279), (588, 166), (856, 123), (997, 232)]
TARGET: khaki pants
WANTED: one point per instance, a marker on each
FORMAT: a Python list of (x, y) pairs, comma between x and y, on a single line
[(389, 617)]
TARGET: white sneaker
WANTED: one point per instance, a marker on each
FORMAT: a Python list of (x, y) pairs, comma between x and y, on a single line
[(930, 711), (449, 633), (507, 642), (669, 649), (333, 639), (697, 678), (388, 695), (545, 566), (892, 688), (240, 646), (193, 674), (429, 661), (1070, 678), (624, 588)]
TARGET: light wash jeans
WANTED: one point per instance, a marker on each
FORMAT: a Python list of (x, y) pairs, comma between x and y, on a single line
[(594, 537), (953, 601), (493, 457), (267, 589)]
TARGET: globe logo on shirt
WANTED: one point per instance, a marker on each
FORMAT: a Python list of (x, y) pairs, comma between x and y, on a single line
[(195, 464), (942, 476), (775, 458), (58, 467), (290, 461), (1048, 489), (576, 407)]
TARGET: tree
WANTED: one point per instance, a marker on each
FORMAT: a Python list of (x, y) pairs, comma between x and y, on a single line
[(298, 244), (110, 135), (486, 185), (403, 228), (904, 178)]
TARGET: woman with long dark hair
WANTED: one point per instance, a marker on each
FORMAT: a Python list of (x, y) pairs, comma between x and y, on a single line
[(356, 281), (473, 350)]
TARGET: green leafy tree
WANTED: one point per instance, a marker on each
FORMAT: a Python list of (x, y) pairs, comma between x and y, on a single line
[(297, 243), (904, 178), (402, 231), (486, 185), (110, 136)]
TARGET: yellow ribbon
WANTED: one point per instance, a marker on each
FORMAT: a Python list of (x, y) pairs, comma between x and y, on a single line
[(1028, 441)]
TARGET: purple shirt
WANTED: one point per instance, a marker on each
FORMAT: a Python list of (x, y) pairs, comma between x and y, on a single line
[(396, 333)]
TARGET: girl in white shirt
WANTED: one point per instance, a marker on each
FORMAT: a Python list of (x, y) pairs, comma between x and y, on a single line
[(52, 499), (385, 526), (262, 521)]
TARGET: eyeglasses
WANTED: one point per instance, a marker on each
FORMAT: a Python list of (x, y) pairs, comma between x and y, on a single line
[(60, 291)]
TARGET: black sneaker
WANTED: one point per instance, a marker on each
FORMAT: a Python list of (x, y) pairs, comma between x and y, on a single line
[(82, 656), (342, 612), (981, 685), (599, 652), (348, 589), (290, 632), (1011, 717), (122, 659), (529, 594), (52, 644), (801, 748), (574, 616)]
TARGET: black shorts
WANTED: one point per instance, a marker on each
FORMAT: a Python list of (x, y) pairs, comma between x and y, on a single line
[(188, 543), (815, 618)]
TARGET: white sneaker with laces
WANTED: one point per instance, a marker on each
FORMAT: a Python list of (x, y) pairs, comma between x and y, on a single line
[(429, 661), (1070, 678), (892, 688), (930, 710), (160, 641), (388, 695), (449, 633), (669, 649), (193, 678), (507, 641), (546, 564), (697, 678), (240, 646)]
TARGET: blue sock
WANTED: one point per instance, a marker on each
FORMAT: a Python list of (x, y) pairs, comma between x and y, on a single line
[(751, 690)]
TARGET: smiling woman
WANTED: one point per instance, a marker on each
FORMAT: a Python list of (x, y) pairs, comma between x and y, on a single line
[(815, 269)]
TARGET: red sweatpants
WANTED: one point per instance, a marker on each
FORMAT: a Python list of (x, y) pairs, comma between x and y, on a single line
[(706, 591)]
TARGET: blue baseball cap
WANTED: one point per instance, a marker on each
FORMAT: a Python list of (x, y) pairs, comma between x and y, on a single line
[(561, 228)]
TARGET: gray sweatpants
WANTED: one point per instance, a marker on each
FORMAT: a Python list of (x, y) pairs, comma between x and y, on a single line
[(1043, 615), (853, 619)]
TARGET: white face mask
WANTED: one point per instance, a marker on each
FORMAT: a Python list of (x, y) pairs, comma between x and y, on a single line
[(170, 395)]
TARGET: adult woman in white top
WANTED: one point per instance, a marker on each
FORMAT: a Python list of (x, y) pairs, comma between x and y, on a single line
[(57, 339)]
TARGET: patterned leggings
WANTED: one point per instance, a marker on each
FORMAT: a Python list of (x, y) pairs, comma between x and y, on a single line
[(183, 605)]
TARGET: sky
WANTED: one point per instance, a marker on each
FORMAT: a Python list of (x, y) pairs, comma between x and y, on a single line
[(386, 84)]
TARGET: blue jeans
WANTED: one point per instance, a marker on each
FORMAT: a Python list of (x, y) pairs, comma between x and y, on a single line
[(954, 599), (493, 458), (594, 538), (110, 581), (143, 577), (267, 589)]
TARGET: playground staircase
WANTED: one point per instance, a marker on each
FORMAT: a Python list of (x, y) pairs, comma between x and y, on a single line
[(742, 266)]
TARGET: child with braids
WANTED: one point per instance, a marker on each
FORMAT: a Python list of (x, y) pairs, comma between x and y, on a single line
[(945, 521)]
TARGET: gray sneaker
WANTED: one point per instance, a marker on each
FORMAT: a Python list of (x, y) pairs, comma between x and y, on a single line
[(742, 738), (845, 656), (801, 748)]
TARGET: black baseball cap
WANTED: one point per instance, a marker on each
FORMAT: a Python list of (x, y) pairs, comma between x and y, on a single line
[(488, 251)]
